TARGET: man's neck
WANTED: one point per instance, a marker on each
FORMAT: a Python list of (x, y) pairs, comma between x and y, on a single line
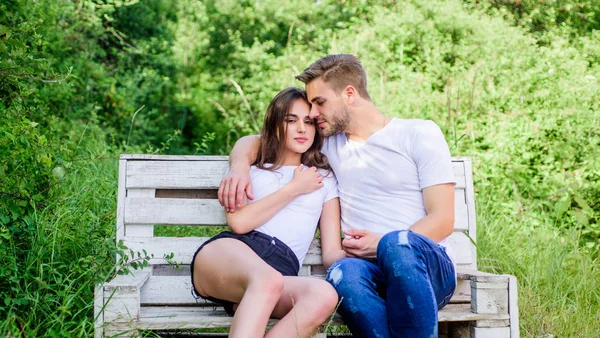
[(366, 120)]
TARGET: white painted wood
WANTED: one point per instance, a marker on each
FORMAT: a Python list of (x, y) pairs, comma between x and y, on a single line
[(136, 279), (470, 202), (175, 174), (121, 193), (122, 296), (513, 307), (493, 323), (183, 248), (173, 158), (138, 211), (319, 335), (480, 276), (141, 230), (173, 211), (461, 217), (162, 318), (176, 290), (496, 332), (489, 297), (98, 311)]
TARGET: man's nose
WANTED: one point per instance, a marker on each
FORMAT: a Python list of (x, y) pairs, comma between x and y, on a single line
[(314, 113)]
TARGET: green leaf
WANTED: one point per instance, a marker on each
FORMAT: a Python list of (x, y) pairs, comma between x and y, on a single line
[(4, 31), (581, 202), (560, 207)]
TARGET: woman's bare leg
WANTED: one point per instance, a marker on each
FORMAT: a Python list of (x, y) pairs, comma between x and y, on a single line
[(304, 305), (228, 269)]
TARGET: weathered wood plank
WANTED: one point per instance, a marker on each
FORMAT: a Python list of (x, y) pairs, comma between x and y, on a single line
[(162, 318), (176, 290), (207, 174), (172, 158), (183, 248), (141, 230), (492, 332), (174, 211), (190, 211), (98, 311), (121, 194), (513, 307), (470, 203), (489, 297), (175, 174)]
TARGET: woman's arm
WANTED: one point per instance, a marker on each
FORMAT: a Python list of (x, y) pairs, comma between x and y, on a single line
[(253, 215), (331, 238)]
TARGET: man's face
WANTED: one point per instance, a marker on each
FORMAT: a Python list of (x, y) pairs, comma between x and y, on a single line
[(328, 108)]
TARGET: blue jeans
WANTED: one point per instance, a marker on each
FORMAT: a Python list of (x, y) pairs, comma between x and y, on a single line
[(399, 293)]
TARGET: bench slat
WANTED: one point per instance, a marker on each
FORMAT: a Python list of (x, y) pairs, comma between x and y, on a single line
[(184, 248), (201, 174), (176, 174), (176, 290), (169, 317), (175, 211)]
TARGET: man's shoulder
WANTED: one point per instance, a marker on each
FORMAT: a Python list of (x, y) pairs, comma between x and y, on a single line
[(413, 123)]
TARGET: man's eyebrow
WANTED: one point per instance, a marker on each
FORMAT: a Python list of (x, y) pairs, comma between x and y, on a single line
[(315, 98)]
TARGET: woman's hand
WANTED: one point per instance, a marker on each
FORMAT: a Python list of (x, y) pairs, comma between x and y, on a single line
[(306, 180)]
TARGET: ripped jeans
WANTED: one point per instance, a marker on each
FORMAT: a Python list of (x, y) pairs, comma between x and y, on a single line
[(399, 293)]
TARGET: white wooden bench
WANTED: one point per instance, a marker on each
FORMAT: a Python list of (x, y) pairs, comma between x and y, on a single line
[(182, 190)]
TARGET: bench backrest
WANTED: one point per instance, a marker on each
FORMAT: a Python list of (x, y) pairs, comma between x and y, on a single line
[(182, 190)]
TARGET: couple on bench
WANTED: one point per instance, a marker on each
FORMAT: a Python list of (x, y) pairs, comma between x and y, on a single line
[(327, 156)]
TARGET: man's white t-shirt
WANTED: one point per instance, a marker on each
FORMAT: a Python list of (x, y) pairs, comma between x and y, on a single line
[(380, 181), (295, 224)]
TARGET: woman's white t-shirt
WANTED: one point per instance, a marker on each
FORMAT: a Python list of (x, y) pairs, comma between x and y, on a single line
[(295, 224)]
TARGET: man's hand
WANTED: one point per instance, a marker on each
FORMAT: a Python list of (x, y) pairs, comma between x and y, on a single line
[(234, 189), (361, 243)]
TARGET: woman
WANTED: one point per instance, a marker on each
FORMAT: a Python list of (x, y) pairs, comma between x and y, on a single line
[(253, 268)]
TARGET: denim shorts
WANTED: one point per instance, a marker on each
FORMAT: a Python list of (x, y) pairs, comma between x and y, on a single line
[(273, 251)]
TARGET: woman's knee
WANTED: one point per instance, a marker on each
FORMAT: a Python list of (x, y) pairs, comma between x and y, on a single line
[(322, 300), (267, 282)]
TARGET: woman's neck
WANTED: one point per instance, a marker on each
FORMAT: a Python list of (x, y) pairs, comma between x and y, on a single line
[(291, 159)]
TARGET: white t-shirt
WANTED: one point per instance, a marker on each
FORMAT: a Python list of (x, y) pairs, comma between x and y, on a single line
[(295, 224), (380, 181)]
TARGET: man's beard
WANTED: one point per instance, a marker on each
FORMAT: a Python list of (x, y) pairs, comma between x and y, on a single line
[(338, 123)]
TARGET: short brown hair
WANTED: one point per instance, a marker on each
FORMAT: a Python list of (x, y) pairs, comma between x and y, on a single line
[(338, 70)]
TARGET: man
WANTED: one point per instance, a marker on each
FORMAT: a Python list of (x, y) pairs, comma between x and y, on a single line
[(396, 189)]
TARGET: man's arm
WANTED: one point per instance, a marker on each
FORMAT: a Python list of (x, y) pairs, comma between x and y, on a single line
[(436, 225), (236, 185), (439, 204)]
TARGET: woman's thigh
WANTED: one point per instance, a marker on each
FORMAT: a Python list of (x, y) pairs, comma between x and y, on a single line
[(224, 268)]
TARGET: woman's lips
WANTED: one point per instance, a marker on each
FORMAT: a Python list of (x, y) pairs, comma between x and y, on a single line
[(301, 139)]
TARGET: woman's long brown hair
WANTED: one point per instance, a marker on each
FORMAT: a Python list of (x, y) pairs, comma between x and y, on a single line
[(271, 145)]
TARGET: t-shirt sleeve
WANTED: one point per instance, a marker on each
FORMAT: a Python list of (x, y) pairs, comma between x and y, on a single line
[(431, 155), (331, 187)]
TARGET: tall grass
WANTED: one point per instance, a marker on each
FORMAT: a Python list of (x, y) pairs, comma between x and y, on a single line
[(558, 281), (73, 249)]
